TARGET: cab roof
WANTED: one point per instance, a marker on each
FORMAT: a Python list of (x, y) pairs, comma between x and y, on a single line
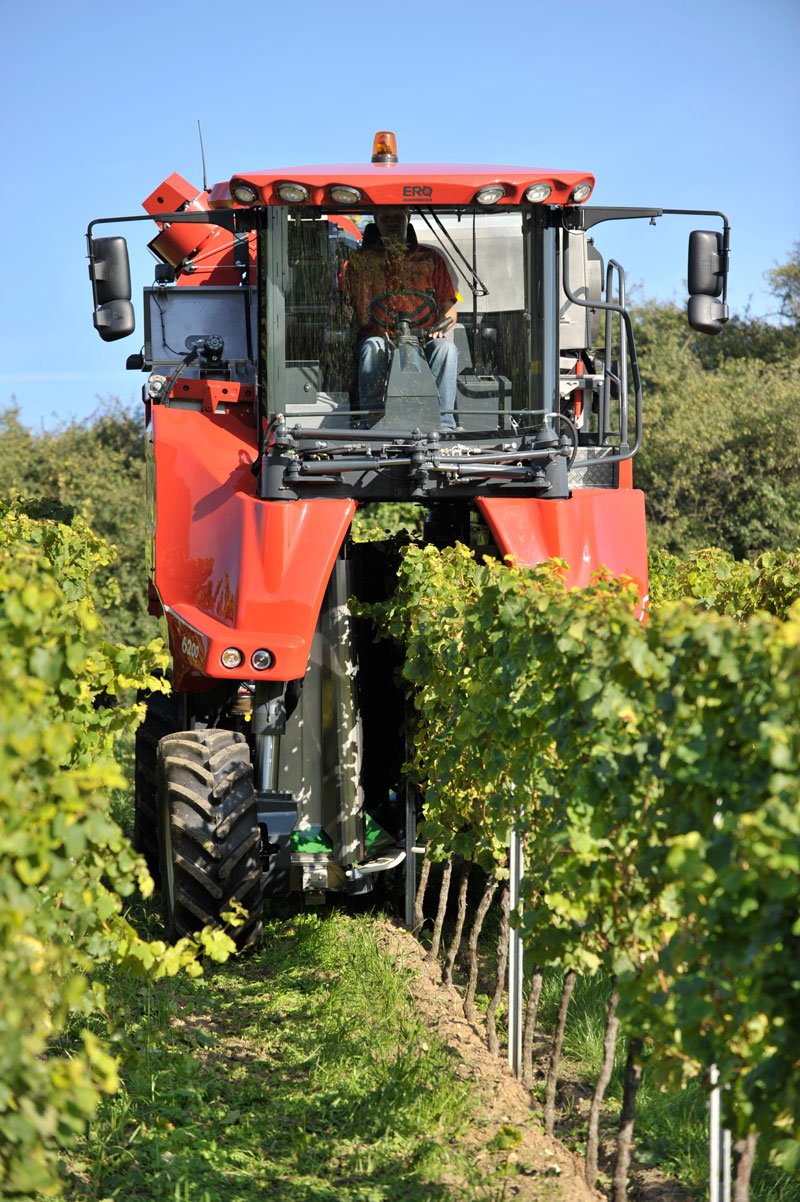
[(402, 184)]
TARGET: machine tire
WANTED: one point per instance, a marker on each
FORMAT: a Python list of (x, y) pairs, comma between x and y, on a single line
[(161, 719), (209, 838)]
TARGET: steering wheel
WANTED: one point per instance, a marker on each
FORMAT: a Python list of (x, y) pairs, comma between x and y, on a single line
[(383, 310)]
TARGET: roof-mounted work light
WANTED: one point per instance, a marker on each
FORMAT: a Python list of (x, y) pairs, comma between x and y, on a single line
[(246, 194), (580, 192), (384, 147), (344, 195), (537, 193), (490, 195), (293, 194)]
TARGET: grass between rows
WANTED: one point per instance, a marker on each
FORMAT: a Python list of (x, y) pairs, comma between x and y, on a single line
[(299, 1072), (303, 1073), (671, 1126)]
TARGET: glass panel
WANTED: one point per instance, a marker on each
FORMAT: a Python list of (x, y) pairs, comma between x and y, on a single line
[(398, 327)]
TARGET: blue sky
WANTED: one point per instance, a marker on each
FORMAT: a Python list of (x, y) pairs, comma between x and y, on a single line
[(684, 104)]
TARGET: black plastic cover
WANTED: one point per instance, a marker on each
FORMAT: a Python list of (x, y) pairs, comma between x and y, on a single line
[(110, 269), (706, 269), (706, 314), (115, 320)]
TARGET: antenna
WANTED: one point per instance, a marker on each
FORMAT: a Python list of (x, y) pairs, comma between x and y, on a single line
[(202, 156)]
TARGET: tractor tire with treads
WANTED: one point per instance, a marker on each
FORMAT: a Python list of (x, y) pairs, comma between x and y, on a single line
[(161, 718), (209, 838)]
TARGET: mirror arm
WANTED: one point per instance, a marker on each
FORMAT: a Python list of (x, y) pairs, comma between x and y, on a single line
[(227, 218), (584, 218), (726, 247), (726, 238)]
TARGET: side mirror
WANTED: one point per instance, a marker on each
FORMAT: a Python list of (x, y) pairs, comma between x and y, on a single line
[(706, 275), (110, 273), (706, 314), (706, 267)]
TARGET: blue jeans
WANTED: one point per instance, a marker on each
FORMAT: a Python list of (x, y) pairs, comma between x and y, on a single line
[(373, 366)]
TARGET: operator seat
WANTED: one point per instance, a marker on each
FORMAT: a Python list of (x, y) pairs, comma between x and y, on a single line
[(371, 239)]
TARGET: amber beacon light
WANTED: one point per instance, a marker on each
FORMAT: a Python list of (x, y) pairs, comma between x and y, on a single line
[(384, 147)]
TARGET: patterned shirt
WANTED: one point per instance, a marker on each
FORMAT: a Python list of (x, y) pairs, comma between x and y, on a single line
[(372, 272)]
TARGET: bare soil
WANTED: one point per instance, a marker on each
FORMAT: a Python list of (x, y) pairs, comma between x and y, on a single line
[(542, 1167)]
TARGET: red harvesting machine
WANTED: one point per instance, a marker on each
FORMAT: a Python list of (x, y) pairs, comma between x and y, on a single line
[(317, 338)]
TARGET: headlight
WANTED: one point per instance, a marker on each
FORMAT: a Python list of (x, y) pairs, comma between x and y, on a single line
[(581, 191), (262, 659), (293, 194), (537, 193), (345, 196), (490, 195), (245, 194), (231, 657)]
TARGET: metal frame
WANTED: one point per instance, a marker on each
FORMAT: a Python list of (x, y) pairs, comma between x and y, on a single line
[(516, 868), (627, 344), (719, 1145), (379, 463)]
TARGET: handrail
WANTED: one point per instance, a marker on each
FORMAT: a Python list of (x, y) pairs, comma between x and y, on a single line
[(622, 378), (626, 329)]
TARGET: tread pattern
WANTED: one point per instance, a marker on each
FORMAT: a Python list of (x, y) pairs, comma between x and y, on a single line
[(161, 718), (205, 784)]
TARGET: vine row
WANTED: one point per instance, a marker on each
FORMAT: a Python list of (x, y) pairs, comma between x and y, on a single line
[(651, 770), (65, 865)]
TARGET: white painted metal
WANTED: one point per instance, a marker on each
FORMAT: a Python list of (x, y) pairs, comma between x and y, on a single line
[(719, 1146), (411, 857), (727, 1164), (515, 960), (713, 1139)]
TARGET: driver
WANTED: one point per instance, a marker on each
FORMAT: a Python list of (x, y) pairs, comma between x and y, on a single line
[(391, 261)]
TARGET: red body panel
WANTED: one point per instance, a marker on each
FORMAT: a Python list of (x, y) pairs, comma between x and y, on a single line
[(625, 474), (231, 570), (213, 393), (207, 251), (594, 528), (404, 183)]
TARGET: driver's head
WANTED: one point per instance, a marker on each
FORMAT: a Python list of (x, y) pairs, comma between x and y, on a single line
[(392, 224)]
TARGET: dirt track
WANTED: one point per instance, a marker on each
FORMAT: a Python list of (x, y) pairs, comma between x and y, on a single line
[(545, 1169)]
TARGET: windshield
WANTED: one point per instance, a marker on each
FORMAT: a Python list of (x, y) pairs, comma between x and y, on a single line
[(402, 319)]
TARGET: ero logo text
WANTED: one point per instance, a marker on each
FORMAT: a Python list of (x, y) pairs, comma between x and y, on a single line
[(417, 190)]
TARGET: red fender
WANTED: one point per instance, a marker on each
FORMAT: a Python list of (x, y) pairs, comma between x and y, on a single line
[(230, 570), (594, 528)]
